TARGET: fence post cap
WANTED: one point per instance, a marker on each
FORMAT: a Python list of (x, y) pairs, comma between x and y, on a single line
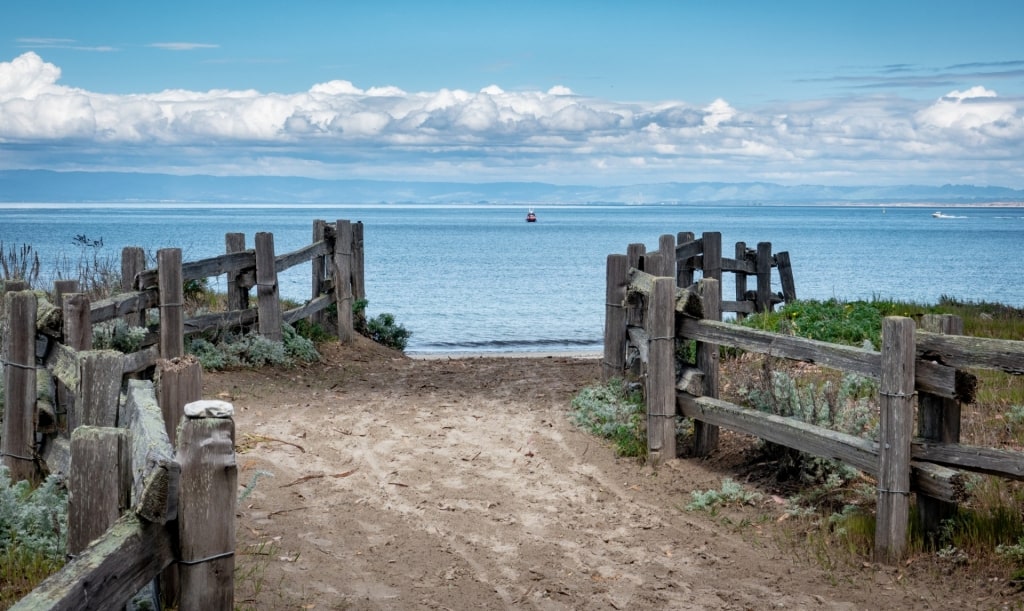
[(209, 408)]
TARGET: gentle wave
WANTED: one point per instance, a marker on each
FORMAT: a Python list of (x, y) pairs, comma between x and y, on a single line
[(533, 345)]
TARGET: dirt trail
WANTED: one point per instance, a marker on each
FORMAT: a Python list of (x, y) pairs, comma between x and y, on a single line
[(398, 483)]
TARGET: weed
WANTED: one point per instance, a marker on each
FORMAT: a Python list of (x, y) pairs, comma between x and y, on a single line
[(253, 350), (19, 263), (118, 335)]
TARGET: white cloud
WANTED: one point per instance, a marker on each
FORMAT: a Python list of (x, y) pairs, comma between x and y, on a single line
[(339, 128)]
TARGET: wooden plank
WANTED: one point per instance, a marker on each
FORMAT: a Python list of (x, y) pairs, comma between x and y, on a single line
[(107, 573), (302, 255), (966, 352), (854, 451), (18, 443), (206, 512), (121, 306), (614, 362), (342, 273), (687, 248), (993, 461), (705, 434), (931, 377), (268, 301), (141, 359), (231, 263), (935, 480), (661, 372), (315, 306), (98, 485), (738, 266), (153, 469), (233, 319), (172, 334), (896, 396)]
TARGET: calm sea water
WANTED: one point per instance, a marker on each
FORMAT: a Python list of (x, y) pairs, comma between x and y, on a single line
[(479, 278)]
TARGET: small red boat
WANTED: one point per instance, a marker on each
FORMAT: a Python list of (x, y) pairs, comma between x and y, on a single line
[(531, 217)]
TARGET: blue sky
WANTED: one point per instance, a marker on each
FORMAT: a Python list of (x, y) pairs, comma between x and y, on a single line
[(599, 93)]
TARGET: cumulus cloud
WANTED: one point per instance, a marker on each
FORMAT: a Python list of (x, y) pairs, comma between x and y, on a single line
[(338, 128)]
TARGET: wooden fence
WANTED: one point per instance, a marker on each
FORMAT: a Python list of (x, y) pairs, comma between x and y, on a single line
[(146, 473), (649, 313)]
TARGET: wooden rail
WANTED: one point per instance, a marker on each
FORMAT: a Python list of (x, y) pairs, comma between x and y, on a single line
[(911, 362)]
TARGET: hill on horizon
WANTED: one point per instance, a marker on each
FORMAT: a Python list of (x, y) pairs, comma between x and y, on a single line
[(31, 186)]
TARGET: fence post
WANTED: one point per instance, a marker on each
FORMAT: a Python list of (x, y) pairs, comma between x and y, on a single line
[(712, 266), (763, 266), (133, 261), (343, 278), (741, 277), (684, 269), (358, 263), (238, 295), (938, 421), (319, 269), (61, 288), (614, 362), (98, 484), (634, 259), (268, 302), (99, 388), (76, 334), (18, 443), (172, 322), (661, 371), (705, 436), (206, 505), (786, 276), (896, 398), (178, 383)]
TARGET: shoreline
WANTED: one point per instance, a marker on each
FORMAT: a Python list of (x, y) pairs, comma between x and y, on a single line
[(451, 356)]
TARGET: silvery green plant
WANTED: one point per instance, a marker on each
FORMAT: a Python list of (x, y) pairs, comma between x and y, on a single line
[(33, 521), (118, 335)]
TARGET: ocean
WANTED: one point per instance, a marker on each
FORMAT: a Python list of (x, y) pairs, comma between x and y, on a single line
[(478, 278)]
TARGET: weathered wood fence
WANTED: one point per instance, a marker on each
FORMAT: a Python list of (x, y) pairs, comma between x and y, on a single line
[(649, 313), (150, 467)]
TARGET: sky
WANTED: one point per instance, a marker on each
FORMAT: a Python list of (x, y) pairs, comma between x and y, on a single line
[(599, 93)]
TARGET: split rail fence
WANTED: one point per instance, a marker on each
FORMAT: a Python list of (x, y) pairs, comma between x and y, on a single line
[(648, 312), (149, 465)]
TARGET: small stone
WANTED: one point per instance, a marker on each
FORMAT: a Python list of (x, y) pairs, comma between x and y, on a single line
[(209, 408)]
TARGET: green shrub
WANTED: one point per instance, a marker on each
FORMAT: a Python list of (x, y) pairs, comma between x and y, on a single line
[(253, 350), (613, 411), (834, 321), (36, 520), (383, 330), (731, 493), (117, 335)]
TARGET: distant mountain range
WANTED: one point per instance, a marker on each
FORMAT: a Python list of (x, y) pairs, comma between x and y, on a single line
[(49, 186)]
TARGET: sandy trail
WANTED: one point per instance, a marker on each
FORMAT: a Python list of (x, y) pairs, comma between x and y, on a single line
[(398, 483)]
